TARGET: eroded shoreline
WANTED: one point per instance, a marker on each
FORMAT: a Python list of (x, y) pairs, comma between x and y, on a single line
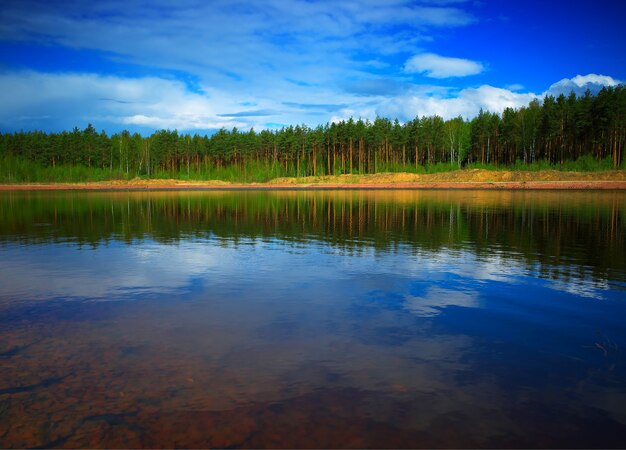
[(516, 185), (460, 179)]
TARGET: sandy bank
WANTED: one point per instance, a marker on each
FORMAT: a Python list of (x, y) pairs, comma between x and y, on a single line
[(460, 179)]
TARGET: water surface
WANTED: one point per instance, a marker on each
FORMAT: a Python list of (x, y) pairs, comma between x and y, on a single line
[(313, 319)]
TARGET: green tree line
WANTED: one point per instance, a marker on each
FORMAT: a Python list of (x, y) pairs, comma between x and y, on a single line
[(559, 129)]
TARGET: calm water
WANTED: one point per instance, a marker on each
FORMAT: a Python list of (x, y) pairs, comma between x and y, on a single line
[(313, 319)]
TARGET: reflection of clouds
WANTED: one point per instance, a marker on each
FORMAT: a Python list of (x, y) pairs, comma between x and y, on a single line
[(438, 298), (494, 267), (57, 271), (572, 279), (503, 268), (466, 264), (581, 287), (451, 276), (274, 319), (119, 271)]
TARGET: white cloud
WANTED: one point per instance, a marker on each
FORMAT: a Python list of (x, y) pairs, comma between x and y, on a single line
[(271, 55), (582, 80), (580, 83), (466, 103), (436, 66), (35, 100), (247, 45), (269, 52), (495, 99), (67, 100)]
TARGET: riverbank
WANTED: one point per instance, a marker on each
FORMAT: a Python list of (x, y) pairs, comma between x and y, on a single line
[(460, 179)]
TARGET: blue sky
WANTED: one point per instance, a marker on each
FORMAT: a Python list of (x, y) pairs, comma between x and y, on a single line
[(201, 65)]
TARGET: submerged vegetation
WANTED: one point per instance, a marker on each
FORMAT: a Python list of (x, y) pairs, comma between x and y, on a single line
[(567, 133)]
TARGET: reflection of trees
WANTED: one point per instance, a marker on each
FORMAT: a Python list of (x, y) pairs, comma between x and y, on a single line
[(561, 232)]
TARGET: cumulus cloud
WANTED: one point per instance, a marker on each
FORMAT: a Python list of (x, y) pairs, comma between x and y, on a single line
[(466, 103), (436, 66), (268, 52), (67, 100), (35, 100), (258, 63), (581, 83), (495, 99)]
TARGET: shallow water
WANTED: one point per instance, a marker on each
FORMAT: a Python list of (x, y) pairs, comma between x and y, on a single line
[(313, 319)]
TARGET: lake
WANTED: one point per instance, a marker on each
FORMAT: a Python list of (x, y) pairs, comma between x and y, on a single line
[(313, 319)]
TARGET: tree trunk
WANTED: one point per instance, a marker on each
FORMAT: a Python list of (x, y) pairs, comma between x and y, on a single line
[(328, 157), (615, 161), (417, 156), (350, 155)]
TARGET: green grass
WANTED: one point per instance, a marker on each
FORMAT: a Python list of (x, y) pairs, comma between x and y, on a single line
[(585, 163), (17, 170), (251, 172)]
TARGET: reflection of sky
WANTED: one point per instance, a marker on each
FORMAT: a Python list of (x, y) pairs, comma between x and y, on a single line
[(451, 329), (437, 298), (115, 270), (53, 271), (468, 334)]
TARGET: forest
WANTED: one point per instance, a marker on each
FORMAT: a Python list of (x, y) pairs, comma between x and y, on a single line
[(587, 129)]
